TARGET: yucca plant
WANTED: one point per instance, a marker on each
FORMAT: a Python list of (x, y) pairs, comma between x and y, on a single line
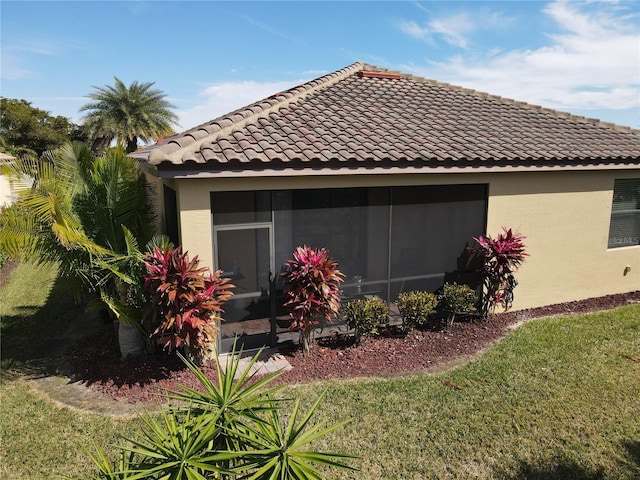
[(312, 290), (186, 300), (229, 429), (280, 451), (500, 257), (236, 398)]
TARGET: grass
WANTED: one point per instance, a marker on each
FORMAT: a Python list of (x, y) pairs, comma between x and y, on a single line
[(556, 399)]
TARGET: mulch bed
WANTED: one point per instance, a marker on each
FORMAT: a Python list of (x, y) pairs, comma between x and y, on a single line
[(96, 362)]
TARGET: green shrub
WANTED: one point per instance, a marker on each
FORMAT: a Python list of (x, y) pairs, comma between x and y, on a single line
[(456, 299), (366, 316), (415, 307)]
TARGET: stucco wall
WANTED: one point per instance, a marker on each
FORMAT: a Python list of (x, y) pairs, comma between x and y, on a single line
[(7, 196), (565, 216)]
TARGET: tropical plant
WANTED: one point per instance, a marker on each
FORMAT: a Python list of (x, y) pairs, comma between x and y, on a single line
[(312, 290), (187, 300), (456, 299), (415, 308), (229, 429), (365, 316), (86, 214), (500, 257), (127, 114)]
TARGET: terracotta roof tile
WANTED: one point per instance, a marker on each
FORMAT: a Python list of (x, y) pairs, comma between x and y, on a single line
[(344, 117)]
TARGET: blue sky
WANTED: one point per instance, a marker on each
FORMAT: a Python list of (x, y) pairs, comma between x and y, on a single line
[(212, 57)]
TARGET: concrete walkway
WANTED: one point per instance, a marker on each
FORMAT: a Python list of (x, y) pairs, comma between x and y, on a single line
[(64, 392), (269, 361)]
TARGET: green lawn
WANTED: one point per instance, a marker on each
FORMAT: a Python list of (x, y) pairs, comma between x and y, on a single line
[(555, 399)]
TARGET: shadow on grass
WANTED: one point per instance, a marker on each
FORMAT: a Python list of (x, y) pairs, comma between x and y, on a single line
[(36, 335), (559, 471), (561, 468), (62, 338), (632, 449)]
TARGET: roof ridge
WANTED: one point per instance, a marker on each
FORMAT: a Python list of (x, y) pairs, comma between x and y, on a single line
[(511, 101), (245, 115)]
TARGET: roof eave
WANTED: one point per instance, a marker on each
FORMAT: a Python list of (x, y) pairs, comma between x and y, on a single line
[(167, 170)]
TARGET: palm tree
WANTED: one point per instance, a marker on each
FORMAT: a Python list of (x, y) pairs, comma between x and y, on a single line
[(127, 114), (86, 214)]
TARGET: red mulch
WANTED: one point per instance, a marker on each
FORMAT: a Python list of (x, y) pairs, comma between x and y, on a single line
[(96, 362)]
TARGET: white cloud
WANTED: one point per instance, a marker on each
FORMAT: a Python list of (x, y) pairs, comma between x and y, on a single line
[(13, 67), (14, 58), (221, 98), (17, 57), (455, 29), (414, 30), (592, 63)]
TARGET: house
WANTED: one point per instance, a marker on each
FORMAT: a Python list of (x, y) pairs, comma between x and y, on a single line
[(396, 174), (7, 190)]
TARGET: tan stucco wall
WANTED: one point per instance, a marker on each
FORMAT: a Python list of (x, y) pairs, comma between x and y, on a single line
[(565, 216), (7, 195)]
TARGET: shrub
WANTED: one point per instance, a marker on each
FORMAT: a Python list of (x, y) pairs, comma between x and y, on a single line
[(366, 316), (456, 299), (415, 307), (186, 300), (500, 257), (228, 429), (312, 290)]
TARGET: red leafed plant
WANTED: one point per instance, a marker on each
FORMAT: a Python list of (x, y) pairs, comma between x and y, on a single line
[(312, 290), (501, 257), (186, 300)]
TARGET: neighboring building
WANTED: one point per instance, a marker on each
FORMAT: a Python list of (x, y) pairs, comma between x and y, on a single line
[(7, 194), (396, 174)]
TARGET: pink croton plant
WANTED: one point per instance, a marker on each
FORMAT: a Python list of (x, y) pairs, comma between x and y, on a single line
[(312, 290), (187, 300), (501, 257)]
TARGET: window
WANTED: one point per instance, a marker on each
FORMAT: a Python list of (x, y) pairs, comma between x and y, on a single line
[(624, 229), (171, 215)]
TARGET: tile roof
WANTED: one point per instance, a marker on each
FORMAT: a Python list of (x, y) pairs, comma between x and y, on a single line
[(362, 116)]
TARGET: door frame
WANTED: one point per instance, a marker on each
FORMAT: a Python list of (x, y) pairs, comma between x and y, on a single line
[(250, 226)]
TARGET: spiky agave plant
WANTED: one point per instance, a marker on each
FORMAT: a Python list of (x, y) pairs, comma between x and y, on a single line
[(312, 290), (501, 257)]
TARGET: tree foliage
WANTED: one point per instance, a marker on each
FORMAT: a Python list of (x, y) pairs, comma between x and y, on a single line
[(88, 214), (127, 114), (29, 131)]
